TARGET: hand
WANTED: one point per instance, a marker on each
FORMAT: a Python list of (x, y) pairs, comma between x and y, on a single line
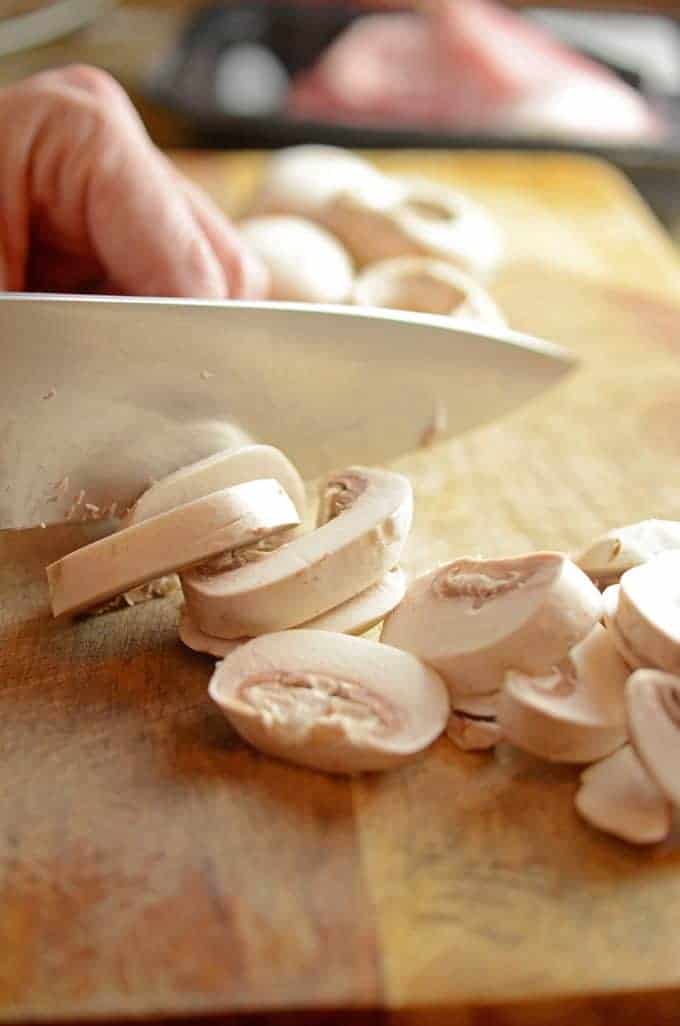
[(88, 204)]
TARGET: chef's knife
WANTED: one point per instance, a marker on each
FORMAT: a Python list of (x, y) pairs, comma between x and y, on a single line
[(100, 396)]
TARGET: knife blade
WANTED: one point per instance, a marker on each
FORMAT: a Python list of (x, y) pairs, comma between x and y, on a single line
[(100, 396)]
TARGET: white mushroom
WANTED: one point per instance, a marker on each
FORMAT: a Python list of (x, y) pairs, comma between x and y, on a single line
[(212, 474), (647, 611), (473, 619), (428, 286), (303, 179), (574, 714), (329, 701), (473, 724), (622, 548), (653, 704), (305, 262), (610, 601), (355, 616), (171, 541), (618, 796), (415, 218), (365, 519)]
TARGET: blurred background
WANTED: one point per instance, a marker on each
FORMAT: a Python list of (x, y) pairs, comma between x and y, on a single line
[(601, 78)]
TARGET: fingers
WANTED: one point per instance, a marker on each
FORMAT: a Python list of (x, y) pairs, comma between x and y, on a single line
[(81, 181)]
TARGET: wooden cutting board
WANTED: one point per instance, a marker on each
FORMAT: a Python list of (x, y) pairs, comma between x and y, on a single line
[(152, 865)]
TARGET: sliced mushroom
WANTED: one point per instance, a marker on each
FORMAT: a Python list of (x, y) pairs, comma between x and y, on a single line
[(428, 286), (653, 704), (574, 714), (473, 619), (622, 548), (473, 723), (171, 541), (355, 616), (647, 611), (330, 701), (223, 470), (419, 218), (365, 519), (305, 262), (618, 796), (610, 601), (303, 179)]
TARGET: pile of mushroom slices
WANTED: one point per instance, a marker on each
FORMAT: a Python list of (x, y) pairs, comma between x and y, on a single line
[(331, 228), (230, 525)]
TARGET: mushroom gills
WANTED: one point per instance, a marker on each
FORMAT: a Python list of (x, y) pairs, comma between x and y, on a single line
[(574, 714), (474, 619), (355, 616), (171, 541), (618, 796), (365, 519), (330, 701)]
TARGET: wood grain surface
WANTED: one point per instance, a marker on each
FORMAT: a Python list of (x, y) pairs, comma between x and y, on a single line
[(152, 865)]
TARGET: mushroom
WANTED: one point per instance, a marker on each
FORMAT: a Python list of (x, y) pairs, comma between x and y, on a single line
[(365, 518), (171, 541), (653, 704), (647, 611), (473, 619), (303, 179), (622, 548), (473, 724), (426, 285), (618, 796), (212, 474), (330, 701), (610, 601), (304, 261), (415, 218), (355, 616), (576, 713)]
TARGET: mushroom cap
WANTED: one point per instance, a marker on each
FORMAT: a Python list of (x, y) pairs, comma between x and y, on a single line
[(426, 285), (186, 535), (355, 616), (622, 548), (222, 470), (647, 611), (415, 218), (610, 601), (314, 572), (302, 179), (618, 796), (473, 619), (305, 262), (574, 714), (330, 701), (653, 704)]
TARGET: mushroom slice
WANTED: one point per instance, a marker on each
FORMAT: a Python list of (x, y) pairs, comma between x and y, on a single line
[(223, 470), (171, 541), (610, 601), (365, 519), (473, 619), (653, 704), (622, 548), (197, 641), (574, 714), (421, 218), (473, 723), (428, 286), (330, 701), (617, 795), (305, 262), (303, 179), (647, 611), (355, 616)]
